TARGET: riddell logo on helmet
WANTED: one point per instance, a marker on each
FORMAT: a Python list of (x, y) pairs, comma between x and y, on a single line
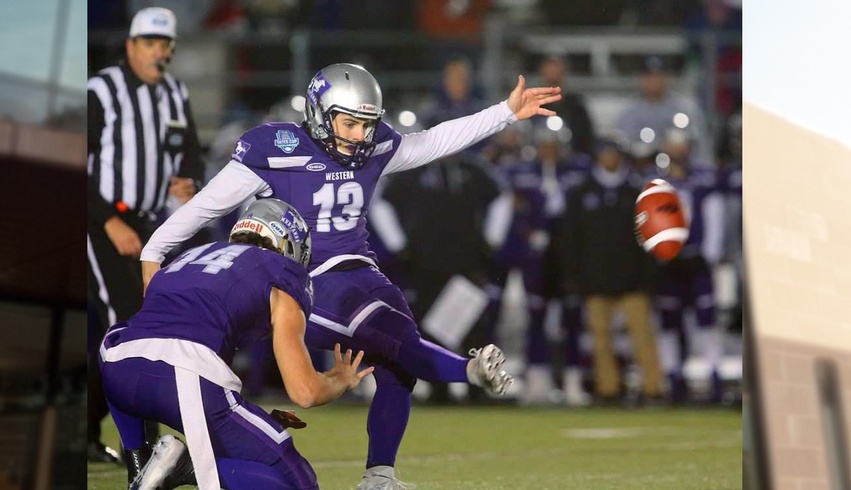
[(249, 225), (367, 108)]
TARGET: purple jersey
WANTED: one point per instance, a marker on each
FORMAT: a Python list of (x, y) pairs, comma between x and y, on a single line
[(332, 199), (694, 190), (539, 194), (731, 180), (218, 295)]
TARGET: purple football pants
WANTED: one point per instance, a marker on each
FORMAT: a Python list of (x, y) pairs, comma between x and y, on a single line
[(251, 449), (362, 310)]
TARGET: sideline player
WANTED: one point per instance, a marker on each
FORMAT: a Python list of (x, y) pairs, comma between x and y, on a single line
[(327, 168)]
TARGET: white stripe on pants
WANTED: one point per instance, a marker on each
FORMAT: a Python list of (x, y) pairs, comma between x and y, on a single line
[(195, 429)]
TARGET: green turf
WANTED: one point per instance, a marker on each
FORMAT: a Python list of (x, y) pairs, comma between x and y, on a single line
[(519, 448)]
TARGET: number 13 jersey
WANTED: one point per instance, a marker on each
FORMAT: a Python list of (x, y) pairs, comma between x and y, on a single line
[(281, 160), (332, 199)]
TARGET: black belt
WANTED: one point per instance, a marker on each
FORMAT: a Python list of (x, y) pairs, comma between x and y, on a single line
[(348, 265)]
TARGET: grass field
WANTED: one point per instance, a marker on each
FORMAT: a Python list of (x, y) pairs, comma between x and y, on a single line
[(521, 448)]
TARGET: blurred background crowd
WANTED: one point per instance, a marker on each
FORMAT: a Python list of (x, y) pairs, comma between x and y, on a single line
[(538, 219)]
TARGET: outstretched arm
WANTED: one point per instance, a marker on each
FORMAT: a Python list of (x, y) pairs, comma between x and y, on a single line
[(453, 136)]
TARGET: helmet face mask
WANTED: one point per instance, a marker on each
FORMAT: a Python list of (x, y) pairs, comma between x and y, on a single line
[(343, 89), (281, 223)]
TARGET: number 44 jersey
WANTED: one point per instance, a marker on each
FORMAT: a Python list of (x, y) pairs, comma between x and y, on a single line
[(218, 295), (333, 199)]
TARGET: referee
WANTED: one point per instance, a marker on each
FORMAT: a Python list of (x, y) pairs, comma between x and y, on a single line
[(142, 148)]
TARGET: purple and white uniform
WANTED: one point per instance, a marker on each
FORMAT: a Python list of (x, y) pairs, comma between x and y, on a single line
[(355, 305), (281, 160), (170, 362)]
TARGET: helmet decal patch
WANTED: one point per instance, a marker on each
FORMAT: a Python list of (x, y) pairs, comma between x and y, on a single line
[(277, 228), (318, 86), (295, 230), (286, 141)]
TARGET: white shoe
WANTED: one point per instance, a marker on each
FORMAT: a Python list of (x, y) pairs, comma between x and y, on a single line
[(382, 478), (169, 466), (539, 387), (574, 394), (484, 369)]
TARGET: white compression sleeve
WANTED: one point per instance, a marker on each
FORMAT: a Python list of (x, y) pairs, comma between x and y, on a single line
[(449, 137)]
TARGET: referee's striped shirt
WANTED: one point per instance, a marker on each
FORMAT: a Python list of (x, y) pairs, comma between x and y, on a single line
[(139, 137)]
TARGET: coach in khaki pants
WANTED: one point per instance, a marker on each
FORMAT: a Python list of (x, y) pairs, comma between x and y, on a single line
[(636, 308), (599, 258)]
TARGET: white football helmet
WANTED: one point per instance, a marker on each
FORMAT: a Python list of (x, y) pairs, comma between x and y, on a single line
[(281, 223), (350, 89)]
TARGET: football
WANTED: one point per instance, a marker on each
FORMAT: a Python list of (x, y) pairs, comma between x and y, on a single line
[(660, 222)]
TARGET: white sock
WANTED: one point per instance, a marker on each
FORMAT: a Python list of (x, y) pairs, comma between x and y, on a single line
[(472, 376), (669, 352), (387, 471), (709, 343), (572, 380)]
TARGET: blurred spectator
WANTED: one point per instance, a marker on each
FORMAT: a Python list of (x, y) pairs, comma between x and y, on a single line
[(456, 97), (602, 261), (504, 150), (686, 282), (226, 15), (454, 19), (451, 215), (455, 26), (731, 186), (571, 108), (724, 22), (643, 157), (538, 190), (656, 108)]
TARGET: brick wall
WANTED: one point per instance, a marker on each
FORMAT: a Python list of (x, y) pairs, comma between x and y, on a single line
[(797, 448), (797, 224)]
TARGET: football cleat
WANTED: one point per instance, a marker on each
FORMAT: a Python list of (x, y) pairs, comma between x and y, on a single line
[(382, 478), (169, 467), (485, 369), (136, 459)]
